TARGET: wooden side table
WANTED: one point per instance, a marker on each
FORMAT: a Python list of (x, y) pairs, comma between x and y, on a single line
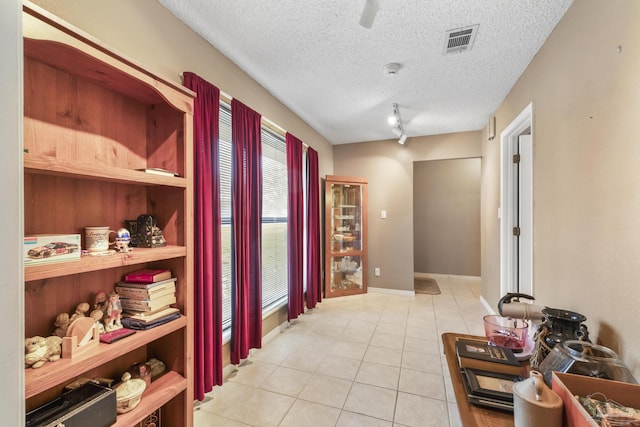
[(470, 415)]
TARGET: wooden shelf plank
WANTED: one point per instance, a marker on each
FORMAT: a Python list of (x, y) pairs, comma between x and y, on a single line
[(47, 165), (65, 370), (94, 263), (347, 253), (158, 394)]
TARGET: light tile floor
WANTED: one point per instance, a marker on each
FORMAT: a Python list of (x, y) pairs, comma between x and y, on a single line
[(363, 360)]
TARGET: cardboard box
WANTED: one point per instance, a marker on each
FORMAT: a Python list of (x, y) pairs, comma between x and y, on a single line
[(51, 248), (567, 386)]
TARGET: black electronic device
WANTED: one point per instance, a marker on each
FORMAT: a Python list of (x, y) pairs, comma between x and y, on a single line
[(88, 405), (145, 232)]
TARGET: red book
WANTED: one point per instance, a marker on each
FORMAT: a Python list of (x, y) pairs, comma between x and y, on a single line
[(148, 276)]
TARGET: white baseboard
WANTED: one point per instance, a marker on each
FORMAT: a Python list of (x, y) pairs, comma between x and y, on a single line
[(391, 292), (487, 306)]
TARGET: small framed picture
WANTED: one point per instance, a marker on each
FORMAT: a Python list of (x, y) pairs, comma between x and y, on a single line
[(490, 384)]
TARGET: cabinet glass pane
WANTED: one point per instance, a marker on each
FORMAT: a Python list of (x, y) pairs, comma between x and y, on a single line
[(346, 221), (346, 273)]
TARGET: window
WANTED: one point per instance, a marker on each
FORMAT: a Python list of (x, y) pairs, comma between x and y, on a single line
[(225, 211), (274, 216)]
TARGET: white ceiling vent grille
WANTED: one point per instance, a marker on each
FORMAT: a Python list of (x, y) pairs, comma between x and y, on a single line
[(460, 39)]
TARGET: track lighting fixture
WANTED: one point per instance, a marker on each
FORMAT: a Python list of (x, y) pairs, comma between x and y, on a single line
[(396, 121)]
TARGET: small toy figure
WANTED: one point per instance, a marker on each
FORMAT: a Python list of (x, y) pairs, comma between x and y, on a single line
[(123, 238), (97, 316), (81, 311), (100, 301), (39, 350), (113, 312), (62, 324)]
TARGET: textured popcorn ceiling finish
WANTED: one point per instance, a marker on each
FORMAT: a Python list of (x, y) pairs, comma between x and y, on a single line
[(316, 58)]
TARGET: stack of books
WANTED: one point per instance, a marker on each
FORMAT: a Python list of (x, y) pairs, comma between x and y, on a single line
[(146, 297)]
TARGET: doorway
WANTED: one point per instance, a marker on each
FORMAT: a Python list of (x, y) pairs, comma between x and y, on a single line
[(516, 201), (446, 217)]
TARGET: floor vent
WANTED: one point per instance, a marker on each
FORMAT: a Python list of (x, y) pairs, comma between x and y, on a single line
[(460, 39)]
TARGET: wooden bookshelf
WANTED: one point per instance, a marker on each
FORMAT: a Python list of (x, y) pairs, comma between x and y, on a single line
[(92, 119)]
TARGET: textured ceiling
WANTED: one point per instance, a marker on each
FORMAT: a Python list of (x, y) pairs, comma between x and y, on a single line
[(315, 57)]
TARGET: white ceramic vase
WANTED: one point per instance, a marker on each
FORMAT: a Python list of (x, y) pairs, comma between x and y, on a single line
[(535, 404)]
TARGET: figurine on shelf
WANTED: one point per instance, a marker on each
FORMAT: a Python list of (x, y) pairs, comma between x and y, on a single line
[(100, 301), (113, 312), (81, 311), (97, 316), (39, 350), (62, 324), (123, 238)]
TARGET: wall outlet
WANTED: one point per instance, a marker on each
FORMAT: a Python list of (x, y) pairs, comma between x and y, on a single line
[(376, 271)]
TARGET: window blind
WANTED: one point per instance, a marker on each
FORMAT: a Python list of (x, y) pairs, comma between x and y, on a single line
[(274, 216), (225, 210)]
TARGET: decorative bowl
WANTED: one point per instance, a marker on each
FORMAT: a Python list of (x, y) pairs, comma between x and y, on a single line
[(506, 331)]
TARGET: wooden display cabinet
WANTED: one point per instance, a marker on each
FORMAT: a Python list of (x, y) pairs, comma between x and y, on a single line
[(92, 118), (345, 236)]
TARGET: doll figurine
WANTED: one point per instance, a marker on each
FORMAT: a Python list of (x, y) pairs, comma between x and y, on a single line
[(100, 301), (113, 313)]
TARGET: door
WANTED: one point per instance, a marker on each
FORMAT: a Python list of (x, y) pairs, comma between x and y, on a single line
[(524, 237), (516, 213)]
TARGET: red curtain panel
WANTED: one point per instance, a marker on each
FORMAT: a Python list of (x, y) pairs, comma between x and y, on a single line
[(314, 284), (295, 220), (208, 258), (246, 201)]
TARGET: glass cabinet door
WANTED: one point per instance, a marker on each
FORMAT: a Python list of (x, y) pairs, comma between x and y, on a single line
[(345, 236)]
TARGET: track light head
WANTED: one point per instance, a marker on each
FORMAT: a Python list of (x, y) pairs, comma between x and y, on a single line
[(371, 8), (396, 121)]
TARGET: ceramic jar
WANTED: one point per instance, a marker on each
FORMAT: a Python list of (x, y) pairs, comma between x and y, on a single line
[(535, 404), (129, 393)]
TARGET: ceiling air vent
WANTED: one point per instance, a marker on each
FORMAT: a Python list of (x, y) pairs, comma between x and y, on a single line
[(460, 39)]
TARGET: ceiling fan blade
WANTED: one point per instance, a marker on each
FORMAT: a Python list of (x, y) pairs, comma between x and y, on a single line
[(371, 8)]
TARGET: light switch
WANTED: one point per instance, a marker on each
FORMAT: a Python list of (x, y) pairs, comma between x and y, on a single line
[(383, 214)]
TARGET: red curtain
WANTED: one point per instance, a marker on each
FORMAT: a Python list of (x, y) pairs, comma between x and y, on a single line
[(295, 222), (246, 201), (314, 282), (208, 259)]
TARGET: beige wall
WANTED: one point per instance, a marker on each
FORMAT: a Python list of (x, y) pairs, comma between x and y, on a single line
[(586, 143), (388, 167), (11, 216)]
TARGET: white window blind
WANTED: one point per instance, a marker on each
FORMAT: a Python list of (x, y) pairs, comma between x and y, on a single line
[(225, 211), (274, 216)]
